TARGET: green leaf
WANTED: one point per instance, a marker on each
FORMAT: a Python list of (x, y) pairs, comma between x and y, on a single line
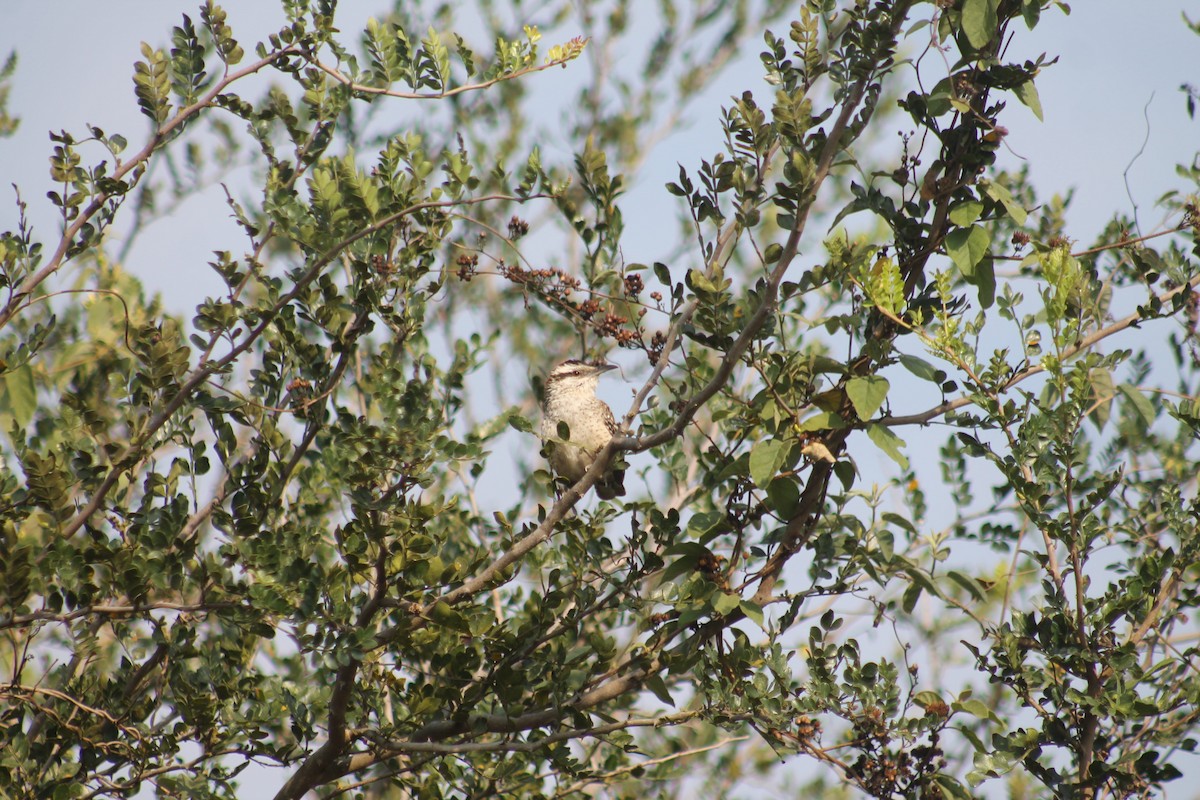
[(703, 526), (662, 273), (886, 542), (700, 282), (444, 614), (1031, 11), (1143, 406), (1103, 391), (867, 394), (1003, 196), (966, 213), (1027, 93), (20, 394), (753, 612), (950, 787), (656, 685), (151, 84), (846, 472), (783, 495), (966, 248), (726, 602), (824, 421), (888, 442), (927, 698), (920, 583), (979, 21), (985, 280), (922, 369), (976, 708), (967, 582), (766, 457), (911, 595), (106, 319), (885, 285), (689, 554), (518, 422)]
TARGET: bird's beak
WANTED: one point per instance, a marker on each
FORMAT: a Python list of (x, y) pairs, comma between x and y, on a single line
[(605, 367)]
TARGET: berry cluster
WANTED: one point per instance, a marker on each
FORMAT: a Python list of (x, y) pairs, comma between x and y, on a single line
[(883, 771)]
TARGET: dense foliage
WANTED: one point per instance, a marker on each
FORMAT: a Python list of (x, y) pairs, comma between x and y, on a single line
[(913, 488)]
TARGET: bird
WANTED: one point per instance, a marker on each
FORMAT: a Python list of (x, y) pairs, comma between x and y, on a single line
[(576, 424)]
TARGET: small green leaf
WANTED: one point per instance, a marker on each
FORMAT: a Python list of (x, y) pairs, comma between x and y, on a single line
[(846, 472), (444, 614), (927, 698), (705, 525), (1031, 12), (888, 442), (824, 421), (725, 602), (976, 708), (766, 457), (753, 612), (966, 248), (967, 582), (922, 369), (1027, 93), (20, 394), (700, 282), (1103, 393), (659, 688), (783, 495), (662, 273), (950, 787), (985, 281), (911, 595), (689, 554), (920, 576), (106, 319), (1143, 406), (518, 422), (867, 394), (886, 543), (965, 214), (979, 21), (1003, 196)]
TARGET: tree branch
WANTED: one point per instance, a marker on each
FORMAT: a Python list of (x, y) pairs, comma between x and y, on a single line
[(160, 135)]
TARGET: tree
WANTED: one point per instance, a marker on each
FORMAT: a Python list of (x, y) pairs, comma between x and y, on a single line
[(308, 526)]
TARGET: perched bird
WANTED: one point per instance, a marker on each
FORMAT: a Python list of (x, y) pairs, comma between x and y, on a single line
[(571, 403)]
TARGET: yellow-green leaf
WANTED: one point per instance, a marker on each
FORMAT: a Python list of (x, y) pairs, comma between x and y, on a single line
[(966, 213), (888, 442), (966, 248), (867, 394), (1002, 195), (1027, 93), (656, 685), (979, 21), (1143, 406), (20, 394), (766, 457)]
